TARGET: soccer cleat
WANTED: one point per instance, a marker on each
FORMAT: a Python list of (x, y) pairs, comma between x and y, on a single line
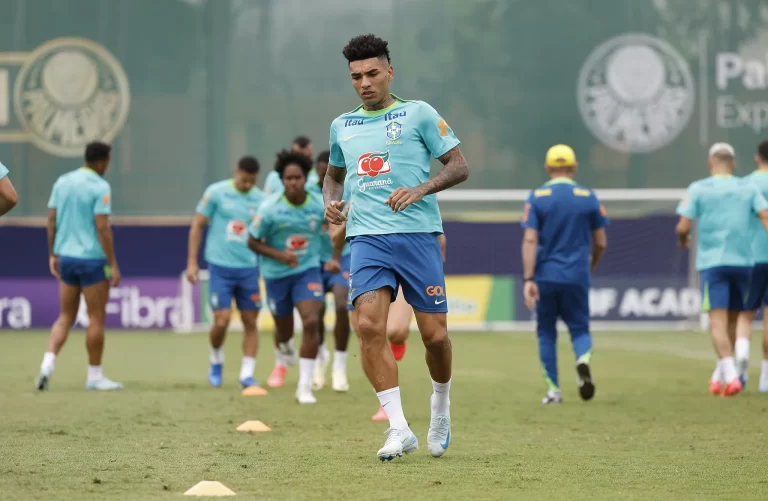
[(289, 353), (715, 387), (742, 367), (398, 442), (763, 388), (439, 434), (277, 378), (42, 382), (103, 384), (552, 397), (743, 380), (305, 396), (380, 415), (321, 366), (339, 380), (398, 350), (732, 388), (248, 382), (214, 375), (586, 385)]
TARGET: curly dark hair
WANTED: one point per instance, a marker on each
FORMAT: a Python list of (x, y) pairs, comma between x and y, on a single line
[(366, 47), (762, 151), (286, 158)]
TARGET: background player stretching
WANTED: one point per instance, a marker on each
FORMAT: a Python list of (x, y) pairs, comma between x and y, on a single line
[(82, 257), (563, 240), (230, 206), (383, 149)]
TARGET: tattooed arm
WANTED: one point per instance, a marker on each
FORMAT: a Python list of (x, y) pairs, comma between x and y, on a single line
[(333, 190), (455, 171)]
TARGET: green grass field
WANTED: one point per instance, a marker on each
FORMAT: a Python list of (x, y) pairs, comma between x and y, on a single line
[(652, 432)]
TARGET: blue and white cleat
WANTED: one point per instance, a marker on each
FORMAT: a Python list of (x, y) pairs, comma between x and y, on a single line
[(103, 384), (398, 442), (248, 382), (439, 434), (763, 388), (214, 375)]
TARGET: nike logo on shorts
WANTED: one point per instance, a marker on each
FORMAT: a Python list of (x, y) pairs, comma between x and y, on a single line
[(440, 302)]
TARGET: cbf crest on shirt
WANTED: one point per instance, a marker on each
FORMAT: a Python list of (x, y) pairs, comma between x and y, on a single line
[(384, 150), (230, 212), (289, 227)]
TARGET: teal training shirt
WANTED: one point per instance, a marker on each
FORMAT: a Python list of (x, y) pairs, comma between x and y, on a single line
[(759, 236)]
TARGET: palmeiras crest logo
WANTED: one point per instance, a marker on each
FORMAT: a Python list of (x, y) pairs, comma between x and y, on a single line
[(69, 92), (635, 93)]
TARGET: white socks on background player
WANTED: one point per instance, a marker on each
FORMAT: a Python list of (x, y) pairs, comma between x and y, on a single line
[(306, 371), (49, 364), (393, 406), (247, 366), (340, 360), (725, 371)]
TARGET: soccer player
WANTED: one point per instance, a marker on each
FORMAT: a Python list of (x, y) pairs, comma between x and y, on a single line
[(335, 266), (383, 150), (286, 232), (303, 145), (725, 207), (563, 240), (82, 257), (229, 207), (758, 289), (8, 196)]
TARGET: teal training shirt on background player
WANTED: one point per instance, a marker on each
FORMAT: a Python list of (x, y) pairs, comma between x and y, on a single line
[(78, 197), (758, 288), (3, 170)]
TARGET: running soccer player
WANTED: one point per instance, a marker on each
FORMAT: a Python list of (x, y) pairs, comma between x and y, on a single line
[(303, 145), (758, 289), (335, 266), (8, 196), (286, 232), (563, 240), (383, 149), (230, 206), (725, 207), (82, 257)]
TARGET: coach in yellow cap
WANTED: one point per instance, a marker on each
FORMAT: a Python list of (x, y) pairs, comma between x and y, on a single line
[(564, 238)]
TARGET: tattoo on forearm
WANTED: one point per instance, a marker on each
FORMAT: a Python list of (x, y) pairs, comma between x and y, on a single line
[(333, 186), (454, 172), (365, 297)]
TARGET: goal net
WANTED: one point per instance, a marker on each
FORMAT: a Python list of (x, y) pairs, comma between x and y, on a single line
[(644, 281)]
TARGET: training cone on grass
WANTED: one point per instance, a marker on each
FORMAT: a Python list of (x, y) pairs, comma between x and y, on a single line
[(253, 426), (254, 391), (210, 489)]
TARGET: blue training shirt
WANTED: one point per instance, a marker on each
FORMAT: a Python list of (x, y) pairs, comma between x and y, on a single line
[(564, 214), (78, 197)]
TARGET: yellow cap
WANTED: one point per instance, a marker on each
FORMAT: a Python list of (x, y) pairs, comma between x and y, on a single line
[(560, 155)]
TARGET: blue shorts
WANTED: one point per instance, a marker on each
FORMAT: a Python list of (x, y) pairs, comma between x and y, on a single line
[(285, 293), (724, 288), (570, 302), (758, 288), (411, 260), (83, 272), (240, 284), (341, 278)]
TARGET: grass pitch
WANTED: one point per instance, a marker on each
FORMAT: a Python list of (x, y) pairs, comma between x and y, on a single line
[(652, 431)]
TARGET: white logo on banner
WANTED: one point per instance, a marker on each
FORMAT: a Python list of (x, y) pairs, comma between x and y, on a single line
[(635, 93)]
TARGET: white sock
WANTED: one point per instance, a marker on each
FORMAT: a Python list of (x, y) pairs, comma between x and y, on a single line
[(718, 374), (742, 349), (306, 370), (247, 367), (441, 401), (94, 373), (279, 360), (322, 353), (49, 363), (764, 370), (393, 407), (217, 355), (728, 366), (340, 360)]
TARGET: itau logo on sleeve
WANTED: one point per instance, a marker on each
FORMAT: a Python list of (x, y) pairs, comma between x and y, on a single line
[(635, 93)]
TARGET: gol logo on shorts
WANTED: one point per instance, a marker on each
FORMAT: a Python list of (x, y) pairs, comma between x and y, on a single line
[(315, 286), (435, 290)]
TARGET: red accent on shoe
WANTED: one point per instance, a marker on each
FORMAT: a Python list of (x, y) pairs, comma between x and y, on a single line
[(277, 378), (398, 350), (715, 387)]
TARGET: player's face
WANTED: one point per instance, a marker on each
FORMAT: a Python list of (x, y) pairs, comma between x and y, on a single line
[(321, 168), (244, 181), (306, 151), (293, 180), (370, 78)]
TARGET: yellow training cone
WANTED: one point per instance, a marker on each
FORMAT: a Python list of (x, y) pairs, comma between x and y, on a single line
[(254, 391), (253, 426), (210, 488)]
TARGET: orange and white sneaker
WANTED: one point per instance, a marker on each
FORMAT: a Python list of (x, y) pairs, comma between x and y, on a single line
[(277, 378), (715, 387), (732, 388), (380, 415)]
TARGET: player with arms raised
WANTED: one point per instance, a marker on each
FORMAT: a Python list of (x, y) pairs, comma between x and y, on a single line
[(229, 207), (286, 232), (382, 151), (82, 257), (8, 196)]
